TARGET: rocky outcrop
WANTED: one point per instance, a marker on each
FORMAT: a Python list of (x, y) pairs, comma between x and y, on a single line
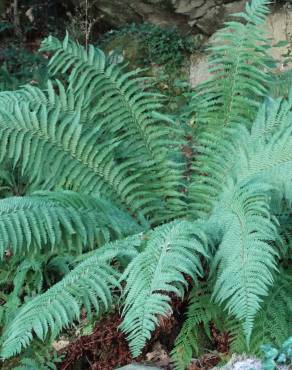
[(279, 30), (117, 13), (203, 16), (207, 16)]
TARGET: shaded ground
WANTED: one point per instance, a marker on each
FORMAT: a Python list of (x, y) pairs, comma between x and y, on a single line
[(106, 347)]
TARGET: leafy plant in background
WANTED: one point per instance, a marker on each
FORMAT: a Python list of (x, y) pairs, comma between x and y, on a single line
[(164, 50), (157, 45), (19, 67), (117, 193), (274, 357)]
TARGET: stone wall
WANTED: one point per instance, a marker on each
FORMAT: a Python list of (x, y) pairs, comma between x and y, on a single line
[(204, 16), (189, 15), (208, 15)]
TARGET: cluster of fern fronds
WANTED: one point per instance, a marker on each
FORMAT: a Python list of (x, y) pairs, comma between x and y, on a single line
[(112, 206)]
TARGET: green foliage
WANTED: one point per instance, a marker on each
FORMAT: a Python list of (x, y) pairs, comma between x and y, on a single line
[(120, 210), (272, 323), (248, 232), (38, 357), (200, 312), (87, 285), (45, 220), (156, 45), (21, 66), (274, 357), (170, 251)]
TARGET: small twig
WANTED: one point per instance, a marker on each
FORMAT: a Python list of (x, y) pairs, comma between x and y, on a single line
[(16, 20), (87, 31)]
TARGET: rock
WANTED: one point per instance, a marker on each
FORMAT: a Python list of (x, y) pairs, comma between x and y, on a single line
[(188, 15), (159, 356), (212, 20), (138, 367), (198, 70), (241, 362), (207, 16), (60, 344), (185, 7), (117, 13), (279, 27)]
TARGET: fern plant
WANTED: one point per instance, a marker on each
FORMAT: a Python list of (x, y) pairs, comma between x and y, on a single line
[(110, 186)]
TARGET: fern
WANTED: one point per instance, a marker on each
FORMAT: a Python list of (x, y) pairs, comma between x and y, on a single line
[(89, 284), (231, 97), (53, 218), (126, 110), (245, 258), (273, 322), (66, 151), (201, 310), (237, 63), (171, 250), (109, 166)]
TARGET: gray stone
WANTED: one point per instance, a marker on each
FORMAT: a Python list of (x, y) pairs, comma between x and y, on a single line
[(243, 362), (187, 6), (138, 367), (279, 28), (188, 15), (198, 71), (209, 15)]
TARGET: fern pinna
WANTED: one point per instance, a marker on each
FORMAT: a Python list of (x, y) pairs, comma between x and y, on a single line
[(108, 189)]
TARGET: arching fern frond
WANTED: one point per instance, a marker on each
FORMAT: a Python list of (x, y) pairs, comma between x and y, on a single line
[(103, 212), (171, 250), (212, 167), (267, 150), (245, 260), (122, 105), (88, 285), (66, 153), (273, 323), (46, 219)]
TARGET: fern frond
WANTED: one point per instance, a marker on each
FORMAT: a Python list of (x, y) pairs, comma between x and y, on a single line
[(103, 212), (201, 310), (238, 65), (273, 323), (245, 260), (89, 284), (218, 153), (186, 344), (171, 250), (230, 98), (66, 153), (265, 150), (122, 105), (47, 219)]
